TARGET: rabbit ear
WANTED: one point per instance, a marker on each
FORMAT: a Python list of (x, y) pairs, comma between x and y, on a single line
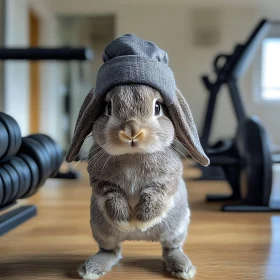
[(185, 128), (87, 115)]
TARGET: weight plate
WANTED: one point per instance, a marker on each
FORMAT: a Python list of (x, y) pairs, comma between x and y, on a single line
[(1, 191), (31, 148), (15, 179), (14, 133), (35, 179), (4, 140), (59, 155), (24, 174), (45, 145), (254, 147), (7, 182)]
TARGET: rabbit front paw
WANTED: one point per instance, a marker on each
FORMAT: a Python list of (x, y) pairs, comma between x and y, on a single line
[(124, 226), (118, 212), (145, 225)]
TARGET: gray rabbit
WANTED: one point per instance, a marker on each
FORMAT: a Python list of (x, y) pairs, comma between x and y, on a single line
[(136, 175)]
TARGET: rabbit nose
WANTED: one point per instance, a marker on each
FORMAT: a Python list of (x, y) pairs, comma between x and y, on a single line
[(131, 127), (131, 131), (139, 136)]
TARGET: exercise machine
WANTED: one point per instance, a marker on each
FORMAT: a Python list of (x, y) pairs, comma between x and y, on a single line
[(245, 160)]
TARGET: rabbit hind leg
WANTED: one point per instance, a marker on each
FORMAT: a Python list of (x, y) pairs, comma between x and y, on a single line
[(176, 261), (100, 263)]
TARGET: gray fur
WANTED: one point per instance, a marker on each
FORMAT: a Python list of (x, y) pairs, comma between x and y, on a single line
[(136, 195)]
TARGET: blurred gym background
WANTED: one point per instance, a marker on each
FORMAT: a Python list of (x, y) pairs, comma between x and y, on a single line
[(45, 96)]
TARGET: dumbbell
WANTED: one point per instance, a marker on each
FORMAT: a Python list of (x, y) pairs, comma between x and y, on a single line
[(52, 149), (45, 152), (39, 158), (10, 137), (19, 178)]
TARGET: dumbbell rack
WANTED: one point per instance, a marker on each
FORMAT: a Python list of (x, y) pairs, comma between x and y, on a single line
[(36, 151), (25, 165), (15, 217)]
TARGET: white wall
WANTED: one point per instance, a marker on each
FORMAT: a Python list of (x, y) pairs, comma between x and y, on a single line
[(169, 26), (171, 29), (50, 74), (16, 83), (16, 89), (2, 12)]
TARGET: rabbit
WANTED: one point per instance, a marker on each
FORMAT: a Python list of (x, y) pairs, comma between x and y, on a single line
[(138, 192)]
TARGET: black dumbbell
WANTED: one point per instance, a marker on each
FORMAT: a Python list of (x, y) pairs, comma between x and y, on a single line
[(34, 170), (7, 183), (4, 139), (47, 150), (34, 150), (1, 191), (14, 188), (9, 127), (24, 174), (58, 154), (52, 149)]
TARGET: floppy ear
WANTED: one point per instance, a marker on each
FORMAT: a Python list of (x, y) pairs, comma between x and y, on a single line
[(185, 128), (88, 114)]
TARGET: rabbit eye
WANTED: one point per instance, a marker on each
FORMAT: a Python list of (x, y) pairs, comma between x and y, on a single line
[(109, 108), (157, 108)]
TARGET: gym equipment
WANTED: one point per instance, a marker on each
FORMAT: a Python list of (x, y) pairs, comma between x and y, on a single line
[(46, 54), (23, 173), (4, 140), (34, 170), (246, 160), (16, 217), (58, 54), (6, 187), (14, 187), (51, 148), (25, 164), (11, 144)]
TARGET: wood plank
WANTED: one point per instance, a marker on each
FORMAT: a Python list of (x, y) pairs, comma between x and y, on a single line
[(34, 72), (221, 245)]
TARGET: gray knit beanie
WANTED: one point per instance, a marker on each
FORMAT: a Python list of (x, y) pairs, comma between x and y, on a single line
[(132, 60)]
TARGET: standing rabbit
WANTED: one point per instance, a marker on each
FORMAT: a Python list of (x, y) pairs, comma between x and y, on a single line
[(136, 175)]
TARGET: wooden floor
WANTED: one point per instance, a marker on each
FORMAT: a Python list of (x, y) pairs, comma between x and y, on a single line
[(221, 245)]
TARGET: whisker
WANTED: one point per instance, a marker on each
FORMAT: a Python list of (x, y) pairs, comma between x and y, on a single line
[(94, 157), (74, 157), (102, 154), (76, 164), (106, 161)]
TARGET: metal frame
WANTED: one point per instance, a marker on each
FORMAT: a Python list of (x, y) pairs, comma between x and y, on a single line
[(14, 218)]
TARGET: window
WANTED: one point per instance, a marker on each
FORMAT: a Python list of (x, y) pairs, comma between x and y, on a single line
[(270, 73)]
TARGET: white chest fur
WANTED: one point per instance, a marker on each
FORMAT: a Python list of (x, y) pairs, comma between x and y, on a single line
[(131, 186)]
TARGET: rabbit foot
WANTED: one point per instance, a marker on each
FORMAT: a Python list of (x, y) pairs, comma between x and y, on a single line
[(95, 274), (178, 264), (143, 226), (125, 226), (90, 276), (99, 264), (186, 275)]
